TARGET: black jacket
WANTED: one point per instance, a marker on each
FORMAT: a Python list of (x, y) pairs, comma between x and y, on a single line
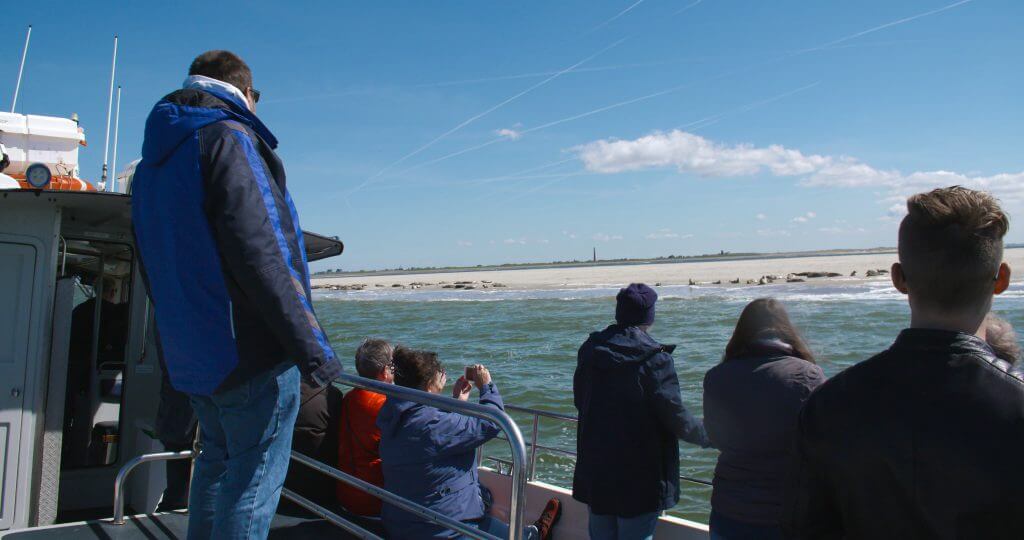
[(631, 416), (751, 405), (315, 435), (922, 441)]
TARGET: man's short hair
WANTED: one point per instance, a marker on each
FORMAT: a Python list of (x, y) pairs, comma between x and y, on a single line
[(224, 66), (951, 246), (373, 357)]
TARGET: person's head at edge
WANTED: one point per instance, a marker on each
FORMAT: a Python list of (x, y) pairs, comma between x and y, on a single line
[(634, 306), (374, 360), (420, 370), (999, 335), (761, 320), (951, 258), (228, 67)]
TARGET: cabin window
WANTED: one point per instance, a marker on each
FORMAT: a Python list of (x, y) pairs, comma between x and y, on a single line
[(97, 350)]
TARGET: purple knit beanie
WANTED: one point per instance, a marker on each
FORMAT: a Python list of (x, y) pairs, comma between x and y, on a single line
[(634, 305)]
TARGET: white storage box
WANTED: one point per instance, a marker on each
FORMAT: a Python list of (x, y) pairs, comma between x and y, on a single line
[(49, 140)]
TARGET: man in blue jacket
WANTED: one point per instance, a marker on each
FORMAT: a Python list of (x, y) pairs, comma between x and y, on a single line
[(224, 263), (631, 416)]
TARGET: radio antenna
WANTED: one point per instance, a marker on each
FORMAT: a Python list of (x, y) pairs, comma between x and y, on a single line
[(110, 106), (113, 159), (21, 68)]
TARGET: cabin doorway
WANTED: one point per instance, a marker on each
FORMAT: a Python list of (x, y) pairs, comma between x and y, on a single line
[(99, 333)]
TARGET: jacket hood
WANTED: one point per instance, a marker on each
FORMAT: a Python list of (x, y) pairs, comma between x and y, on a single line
[(390, 416), (183, 112), (620, 344)]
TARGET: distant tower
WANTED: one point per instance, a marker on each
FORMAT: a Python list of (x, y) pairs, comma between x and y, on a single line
[(595, 254)]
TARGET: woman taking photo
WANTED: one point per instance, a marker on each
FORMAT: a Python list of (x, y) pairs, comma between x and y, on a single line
[(751, 403), (429, 455)]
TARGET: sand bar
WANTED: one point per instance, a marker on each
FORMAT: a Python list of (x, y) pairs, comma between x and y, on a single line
[(704, 272)]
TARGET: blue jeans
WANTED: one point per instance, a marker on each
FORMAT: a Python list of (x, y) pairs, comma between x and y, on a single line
[(725, 528), (245, 436), (619, 528)]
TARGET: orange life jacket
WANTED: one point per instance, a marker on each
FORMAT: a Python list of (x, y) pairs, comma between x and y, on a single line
[(359, 450)]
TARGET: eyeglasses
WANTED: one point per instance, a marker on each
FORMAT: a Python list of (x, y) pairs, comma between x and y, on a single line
[(255, 94)]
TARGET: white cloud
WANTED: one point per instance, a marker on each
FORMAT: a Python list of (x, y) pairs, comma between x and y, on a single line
[(464, 243), (690, 153), (570, 235), (602, 237), (760, 217), (543, 241), (519, 241), (842, 230), (805, 218), (666, 234), (773, 232), (508, 133)]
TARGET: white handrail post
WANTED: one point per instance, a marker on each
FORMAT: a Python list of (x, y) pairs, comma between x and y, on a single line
[(110, 106), (21, 68), (113, 159)]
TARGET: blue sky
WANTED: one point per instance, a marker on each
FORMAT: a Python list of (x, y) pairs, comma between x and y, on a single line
[(642, 128)]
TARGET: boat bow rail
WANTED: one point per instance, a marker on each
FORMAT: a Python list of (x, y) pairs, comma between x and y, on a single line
[(512, 434), (535, 446)]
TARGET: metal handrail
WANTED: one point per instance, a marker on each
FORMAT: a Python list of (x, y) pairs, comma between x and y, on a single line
[(385, 495), (517, 503), (533, 445), (324, 513), (127, 468)]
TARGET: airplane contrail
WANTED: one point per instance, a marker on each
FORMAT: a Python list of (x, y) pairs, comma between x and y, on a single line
[(889, 25), (578, 116), (707, 120), (687, 7), (609, 21), (682, 86), (477, 116)]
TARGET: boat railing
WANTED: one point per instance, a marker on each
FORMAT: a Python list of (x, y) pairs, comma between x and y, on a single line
[(127, 468), (536, 447), (509, 428)]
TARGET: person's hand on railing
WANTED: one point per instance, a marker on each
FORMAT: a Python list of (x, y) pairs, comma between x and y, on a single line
[(479, 375), (462, 389)]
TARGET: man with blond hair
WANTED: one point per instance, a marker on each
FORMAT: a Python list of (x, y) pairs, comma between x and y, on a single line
[(924, 439)]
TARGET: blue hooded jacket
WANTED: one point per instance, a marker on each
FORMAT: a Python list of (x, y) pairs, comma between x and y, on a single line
[(631, 417), (429, 457), (220, 247)]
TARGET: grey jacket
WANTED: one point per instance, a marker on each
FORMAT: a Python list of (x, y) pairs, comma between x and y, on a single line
[(751, 406)]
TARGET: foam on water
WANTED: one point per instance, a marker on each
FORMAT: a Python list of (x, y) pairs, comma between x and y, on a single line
[(821, 291)]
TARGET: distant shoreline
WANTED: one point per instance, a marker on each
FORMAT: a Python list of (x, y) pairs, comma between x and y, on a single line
[(608, 263), (847, 267)]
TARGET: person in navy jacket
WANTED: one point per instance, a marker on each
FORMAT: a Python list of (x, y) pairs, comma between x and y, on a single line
[(429, 455), (631, 417), (224, 263)]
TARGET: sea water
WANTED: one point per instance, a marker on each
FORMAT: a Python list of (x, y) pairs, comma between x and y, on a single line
[(529, 339)]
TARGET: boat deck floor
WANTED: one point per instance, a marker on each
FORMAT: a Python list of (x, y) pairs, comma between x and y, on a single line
[(173, 526)]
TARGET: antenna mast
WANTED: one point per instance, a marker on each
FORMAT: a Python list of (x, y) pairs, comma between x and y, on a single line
[(117, 121), (24, 53), (110, 106)]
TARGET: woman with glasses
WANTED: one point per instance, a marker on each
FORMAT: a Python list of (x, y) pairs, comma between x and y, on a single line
[(429, 455)]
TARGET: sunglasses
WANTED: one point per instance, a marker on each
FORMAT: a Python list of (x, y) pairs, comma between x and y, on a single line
[(255, 94)]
